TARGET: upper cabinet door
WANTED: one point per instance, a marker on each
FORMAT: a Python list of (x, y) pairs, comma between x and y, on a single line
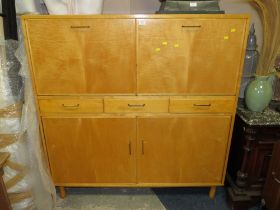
[(82, 56), (189, 56)]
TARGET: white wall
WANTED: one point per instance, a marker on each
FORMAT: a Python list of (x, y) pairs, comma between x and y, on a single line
[(131, 6), (116, 7)]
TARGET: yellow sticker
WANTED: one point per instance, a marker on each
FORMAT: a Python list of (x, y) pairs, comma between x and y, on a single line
[(164, 43), (226, 37), (233, 30), (176, 45), (157, 49)]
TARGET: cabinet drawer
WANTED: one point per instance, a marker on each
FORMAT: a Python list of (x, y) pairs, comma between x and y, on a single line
[(201, 104), (136, 104), (71, 105)]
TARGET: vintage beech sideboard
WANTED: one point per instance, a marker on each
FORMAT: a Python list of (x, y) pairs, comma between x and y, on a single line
[(136, 100)]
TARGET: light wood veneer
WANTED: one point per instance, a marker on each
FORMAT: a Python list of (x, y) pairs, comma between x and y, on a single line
[(136, 105), (71, 105), (136, 100), (202, 104), (58, 47)]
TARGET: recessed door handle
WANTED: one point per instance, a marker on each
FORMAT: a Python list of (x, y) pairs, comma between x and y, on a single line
[(129, 148), (71, 106), (136, 105), (202, 105), (79, 27), (143, 147), (191, 26)]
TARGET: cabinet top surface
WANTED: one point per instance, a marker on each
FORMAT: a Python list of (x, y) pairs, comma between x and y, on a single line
[(140, 16)]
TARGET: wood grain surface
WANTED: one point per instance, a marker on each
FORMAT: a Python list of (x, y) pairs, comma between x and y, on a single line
[(58, 49), (136, 100)]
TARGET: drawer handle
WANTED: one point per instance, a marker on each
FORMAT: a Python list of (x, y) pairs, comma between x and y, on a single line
[(79, 27), (71, 106), (202, 105), (185, 26), (136, 105)]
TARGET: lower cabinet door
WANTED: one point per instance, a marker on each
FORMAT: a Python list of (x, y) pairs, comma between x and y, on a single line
[(185, 149), (91, 150)]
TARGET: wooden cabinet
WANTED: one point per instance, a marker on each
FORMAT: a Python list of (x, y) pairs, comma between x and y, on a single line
[(136, 100)]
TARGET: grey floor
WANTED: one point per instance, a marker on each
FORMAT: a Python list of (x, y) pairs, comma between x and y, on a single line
[(142, 199)]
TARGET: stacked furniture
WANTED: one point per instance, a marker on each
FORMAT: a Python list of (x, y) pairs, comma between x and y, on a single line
[(190, 7), (136, 100)]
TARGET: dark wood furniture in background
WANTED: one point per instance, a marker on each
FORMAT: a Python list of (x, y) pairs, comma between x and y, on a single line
[(271, 193), (254, 136), (9, 19), (4, 200)]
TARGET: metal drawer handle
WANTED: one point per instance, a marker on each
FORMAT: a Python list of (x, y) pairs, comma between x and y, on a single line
[(202, 105), (79, 27), (185, 26), (71, 106), (136, 105)]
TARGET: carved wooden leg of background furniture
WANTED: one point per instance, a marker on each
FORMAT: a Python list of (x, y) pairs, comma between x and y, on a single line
[(212, 192), (62, 192)]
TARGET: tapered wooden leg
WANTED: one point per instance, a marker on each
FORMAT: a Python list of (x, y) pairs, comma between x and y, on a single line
[(62, 192), (212, 192)]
